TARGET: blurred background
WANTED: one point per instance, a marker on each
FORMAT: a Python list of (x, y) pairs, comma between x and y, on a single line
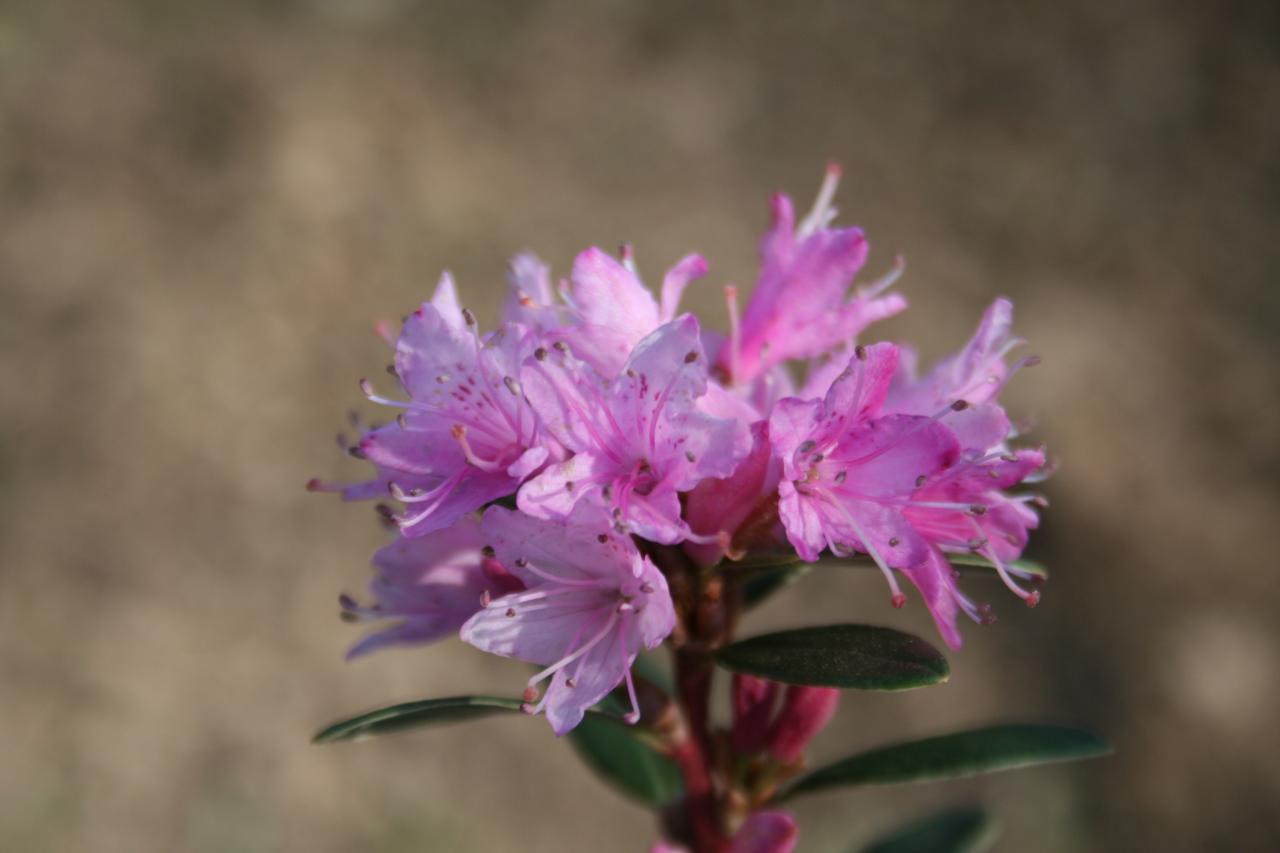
[(204, 207)]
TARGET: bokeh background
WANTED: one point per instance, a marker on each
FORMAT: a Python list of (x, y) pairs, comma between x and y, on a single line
[(204, 206)]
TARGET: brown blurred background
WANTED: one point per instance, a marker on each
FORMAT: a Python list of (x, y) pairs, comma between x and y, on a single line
[(203, 207)]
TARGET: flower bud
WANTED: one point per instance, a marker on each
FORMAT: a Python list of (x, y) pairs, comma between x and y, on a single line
[(753, 701), (805, 712)]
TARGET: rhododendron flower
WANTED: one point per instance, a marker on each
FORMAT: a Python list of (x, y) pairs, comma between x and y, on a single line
[(848, 475), (638, 440), (466, 435), (975, 374), (431, 583), (800, 307), (583, 483), (607, 311), (591, 603), (612, 309)]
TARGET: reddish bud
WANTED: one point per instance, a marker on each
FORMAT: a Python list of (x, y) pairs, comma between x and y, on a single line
[(805, 712), (753, 702)]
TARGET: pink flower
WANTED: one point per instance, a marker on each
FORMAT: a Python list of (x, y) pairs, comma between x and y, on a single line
[(848, 475), (612, 309), (975, 374), (800, 307), (432, 584), (592, 601), (637, 441), (466, 435)]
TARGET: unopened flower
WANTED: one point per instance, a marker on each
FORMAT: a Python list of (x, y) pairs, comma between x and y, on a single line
[(432, 584), (637, 441), (772, 831), (805, 712), (592, 602)]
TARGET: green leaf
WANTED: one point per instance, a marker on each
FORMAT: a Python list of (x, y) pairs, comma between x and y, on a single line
[(955, 755), (1036, 572), (624, 761), (411, 715), (765, 581), (957, 831), (858, 656)]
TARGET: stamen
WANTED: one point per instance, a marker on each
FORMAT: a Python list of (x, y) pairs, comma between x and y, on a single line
[(822, 213), (459, 433), (577, 653), (886, 281), (735, 331), (897, 598)]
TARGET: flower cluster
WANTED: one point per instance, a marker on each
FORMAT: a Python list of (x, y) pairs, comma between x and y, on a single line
[(542, 472)]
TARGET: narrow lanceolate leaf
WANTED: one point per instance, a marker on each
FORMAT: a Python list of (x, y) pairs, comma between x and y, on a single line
[(624, 761), (972, 564), (955, 755), (958, 831), (857, 656), (411, 715)]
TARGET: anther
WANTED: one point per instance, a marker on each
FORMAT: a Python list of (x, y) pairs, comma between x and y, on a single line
[(959, 405), (488, 551), (521, 562), (442, 378), (511, 613), (391, 370), (860, 352), (841, 476), (486, 598), (806, 446), (631, 374), (978, 509), (602, 538), (893, 541), (468, 317), (690, 357), (512, 385), (402, 421), (540, 353), (570, 683), (560, 346), (646, 588), (688, 454)]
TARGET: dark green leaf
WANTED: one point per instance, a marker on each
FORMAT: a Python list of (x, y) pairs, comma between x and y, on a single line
[(1037, 573), (764, 582), (858, 656), (410, 715), (958, 831), (633, 767), (955, 755)]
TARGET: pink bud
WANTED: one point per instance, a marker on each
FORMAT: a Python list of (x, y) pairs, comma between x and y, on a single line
[(753, 702), (805, 712), (766, 832)]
